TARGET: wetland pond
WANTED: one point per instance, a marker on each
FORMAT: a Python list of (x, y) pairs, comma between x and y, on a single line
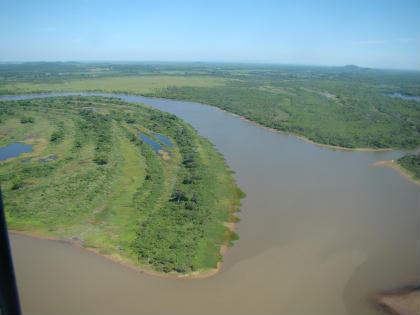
[(157, 142), (321, 231), (155, 146), (14, 150)]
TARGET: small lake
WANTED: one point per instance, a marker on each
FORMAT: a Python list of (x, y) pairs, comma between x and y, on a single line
[(164, 140), (406, 97), (321, 230), (155, 146), (14, 150)]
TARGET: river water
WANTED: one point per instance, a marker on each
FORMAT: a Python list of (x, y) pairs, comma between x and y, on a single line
[(321, 231)]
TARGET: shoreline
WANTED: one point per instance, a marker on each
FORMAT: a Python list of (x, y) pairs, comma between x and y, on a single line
[(300, 137), (392, 164), (338, 148), (126, 262), (403, 301), (127, 256)]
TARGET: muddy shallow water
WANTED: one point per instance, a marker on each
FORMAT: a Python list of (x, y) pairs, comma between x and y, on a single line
[(321, 231)]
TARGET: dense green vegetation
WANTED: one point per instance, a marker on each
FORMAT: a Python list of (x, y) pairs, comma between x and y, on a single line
[(411, 162), (90, 178), (341, 106)]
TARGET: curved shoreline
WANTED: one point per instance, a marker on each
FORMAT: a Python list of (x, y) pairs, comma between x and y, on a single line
[(129, 258), (126, 262), (205, 274), (301, 137), (333, 147), (403, 301), (395, 166), (231, 225)]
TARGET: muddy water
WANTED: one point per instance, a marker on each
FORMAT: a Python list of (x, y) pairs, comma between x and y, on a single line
[(321, 230)]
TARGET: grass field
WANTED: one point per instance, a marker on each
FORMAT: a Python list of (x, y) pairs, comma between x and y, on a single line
[(92, 180), (126, 84)]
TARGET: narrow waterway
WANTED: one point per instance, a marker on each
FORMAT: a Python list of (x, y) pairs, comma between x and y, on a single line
[(321, 230)]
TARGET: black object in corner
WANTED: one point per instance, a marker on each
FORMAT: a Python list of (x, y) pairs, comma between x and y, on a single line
[(9, 298)]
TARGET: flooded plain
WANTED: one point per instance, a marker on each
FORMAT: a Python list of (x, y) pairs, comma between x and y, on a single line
[(321, 231)]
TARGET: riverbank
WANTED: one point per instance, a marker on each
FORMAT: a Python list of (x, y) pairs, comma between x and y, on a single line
[(298, 136), (334, 147), (154, 96), (404, 301), (126, 262), (395, 166), (134, 205), (284, 237)]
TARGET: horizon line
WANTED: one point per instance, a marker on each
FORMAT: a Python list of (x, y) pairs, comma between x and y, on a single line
[(127, 61)]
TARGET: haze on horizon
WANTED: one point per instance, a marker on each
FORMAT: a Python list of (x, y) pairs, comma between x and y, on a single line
[(377, 33)]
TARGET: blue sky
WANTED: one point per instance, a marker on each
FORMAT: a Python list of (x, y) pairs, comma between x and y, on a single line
[(374, 33)]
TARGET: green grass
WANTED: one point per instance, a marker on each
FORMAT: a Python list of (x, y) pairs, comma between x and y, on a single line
[(126, 84), (118, 216), (108, 190)]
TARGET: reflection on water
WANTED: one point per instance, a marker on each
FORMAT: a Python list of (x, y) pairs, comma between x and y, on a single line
[(14, 150), (320, 231)]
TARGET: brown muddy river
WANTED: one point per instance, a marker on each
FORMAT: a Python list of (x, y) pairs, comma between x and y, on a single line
[(321, 231)]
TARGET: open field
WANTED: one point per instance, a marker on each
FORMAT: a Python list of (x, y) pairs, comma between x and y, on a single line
[(126, 84), (92, 180)]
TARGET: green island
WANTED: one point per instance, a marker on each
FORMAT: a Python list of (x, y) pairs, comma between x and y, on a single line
[(125, 180), (349, 107)]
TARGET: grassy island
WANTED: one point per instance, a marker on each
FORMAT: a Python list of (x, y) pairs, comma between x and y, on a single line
[(123, 179)]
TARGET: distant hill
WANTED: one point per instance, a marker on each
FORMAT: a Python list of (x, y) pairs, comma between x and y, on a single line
[(354, 68)]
